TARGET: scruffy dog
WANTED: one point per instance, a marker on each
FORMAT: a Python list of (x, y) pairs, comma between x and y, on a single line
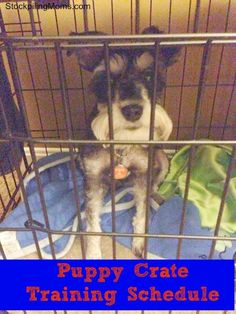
[(132, 72)]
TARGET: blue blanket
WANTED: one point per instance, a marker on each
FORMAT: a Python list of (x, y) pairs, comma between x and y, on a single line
[(55, 175)]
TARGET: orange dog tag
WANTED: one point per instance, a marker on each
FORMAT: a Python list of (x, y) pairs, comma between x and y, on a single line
[(120, 172)]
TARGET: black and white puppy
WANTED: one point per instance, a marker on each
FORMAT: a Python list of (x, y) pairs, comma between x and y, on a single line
[(132, 72)]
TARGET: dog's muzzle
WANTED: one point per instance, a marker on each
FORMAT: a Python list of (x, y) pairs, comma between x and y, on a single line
[(132, 112)]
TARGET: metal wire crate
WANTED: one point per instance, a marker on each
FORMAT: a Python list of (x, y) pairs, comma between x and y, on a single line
[(199, 95)]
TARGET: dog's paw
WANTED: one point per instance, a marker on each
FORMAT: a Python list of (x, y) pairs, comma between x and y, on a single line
[(93, 253), (138, 247)]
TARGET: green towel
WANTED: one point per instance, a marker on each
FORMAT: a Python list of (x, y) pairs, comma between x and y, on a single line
[(209, 168)]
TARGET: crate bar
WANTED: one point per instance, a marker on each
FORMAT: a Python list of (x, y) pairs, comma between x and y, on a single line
[(94, 16), (15, 23), (20, 98), (56, 20), (151, 148), (65, 100), (30, 70), (110, 38), (55, 130), (150, 13), (32, 21), (166, 69), (229, 107), (208, 15), (83, 130), (116, 142), (230, 170), (202, 79), (68, 88), (68, 98), (2, 24), (21, 184), (169, 86), (50, 83), (17, 32), (197, 16), (201, 88), (169, 19), (112, 18), (186, 191), (2, 252), (3, 206), (86, 120), (219, 71), (112, 149), (131, 17), (146, 45), (85, 16), (105, 234), (183, 74), (137, 16), (80, 71), (75, 18), (39, 23)]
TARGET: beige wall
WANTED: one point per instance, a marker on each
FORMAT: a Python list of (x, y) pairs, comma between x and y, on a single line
[(216, 100)]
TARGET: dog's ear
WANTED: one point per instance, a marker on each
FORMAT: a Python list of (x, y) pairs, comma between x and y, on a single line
[(169, 55), (88, 58), (152, 30)]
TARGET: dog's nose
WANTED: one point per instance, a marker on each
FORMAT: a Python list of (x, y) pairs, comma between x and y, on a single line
[(132, 112)]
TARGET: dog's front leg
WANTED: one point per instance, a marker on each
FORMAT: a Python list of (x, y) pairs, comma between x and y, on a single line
[(139, 218), (95, 193)]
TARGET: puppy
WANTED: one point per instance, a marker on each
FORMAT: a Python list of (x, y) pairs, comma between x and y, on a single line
[(131, 79)]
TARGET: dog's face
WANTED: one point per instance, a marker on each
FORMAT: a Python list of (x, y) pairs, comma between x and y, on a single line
[(131, 80)]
